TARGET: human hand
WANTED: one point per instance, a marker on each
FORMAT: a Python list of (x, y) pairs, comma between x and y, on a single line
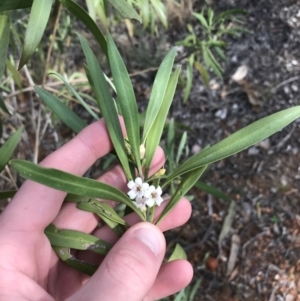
[(132, 270)]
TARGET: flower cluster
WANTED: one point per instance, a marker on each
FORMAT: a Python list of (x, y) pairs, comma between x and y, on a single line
[(144, 194)]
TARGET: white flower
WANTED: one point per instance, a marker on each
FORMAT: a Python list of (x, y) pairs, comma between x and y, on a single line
[(153, 195), (137, 188), (140, 203)]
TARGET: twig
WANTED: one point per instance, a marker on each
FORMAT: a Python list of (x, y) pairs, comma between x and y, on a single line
[(273, 90), (37, 137), (11, 177), (52, 42)]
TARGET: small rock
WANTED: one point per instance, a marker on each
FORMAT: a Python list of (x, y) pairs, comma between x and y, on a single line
[(240, 73), (221, 113), (235, 106), (286, 89), (294, 87), (265, 144), (253, 151), (196, 149)]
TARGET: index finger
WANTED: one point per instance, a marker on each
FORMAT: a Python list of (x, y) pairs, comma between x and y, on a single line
[(35, 206)]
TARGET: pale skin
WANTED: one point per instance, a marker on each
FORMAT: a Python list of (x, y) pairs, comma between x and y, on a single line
[(132, 270)]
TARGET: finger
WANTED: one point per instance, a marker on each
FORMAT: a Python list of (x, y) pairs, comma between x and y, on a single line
[(72, 218), (178, 216), (41, 204), (129, 270), (172, 277)]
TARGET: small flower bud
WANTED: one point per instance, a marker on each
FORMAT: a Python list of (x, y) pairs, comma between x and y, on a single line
[(142, 151), (160, 173)]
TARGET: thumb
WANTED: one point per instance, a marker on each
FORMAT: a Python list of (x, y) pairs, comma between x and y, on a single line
[(130, 268)]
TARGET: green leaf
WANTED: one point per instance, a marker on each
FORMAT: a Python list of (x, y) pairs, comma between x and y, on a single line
[(202, 19), (76, 240), (14, 4), (7, 194), (187, 182), (242, 139), (212, 190), (126, 99), (39, 15), (158, 91), (160, 10), (66, 115), (214, 64), (194, 290), (106, 105), (221, 53), (204, 74), (189, 80), (228, 14), (69, 183), (178, 253), (210, 15), (91, 5), (3, 106), (84, 17), (8, 147), (125, 10), (106, 213), (77, 96), (14, 72), (80, 265), (145, 12), (171, 142), (4, 39), (156, 130), (181, 146)]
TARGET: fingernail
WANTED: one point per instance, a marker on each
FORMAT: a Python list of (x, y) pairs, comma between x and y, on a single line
[(149, 238)]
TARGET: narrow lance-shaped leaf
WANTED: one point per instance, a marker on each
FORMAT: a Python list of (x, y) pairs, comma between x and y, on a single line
[(14, 4), (181, 146), (189, 79), (212, 190), (8, 148), (77, 96), (156, 130), (178, 253), (242, 139), (69, 183), (106, 105), (84, 17), (185, 185), (66, 115), (39, 15), (125, 10), (158, 91), (79, 265), (144, 11), (203, 72), (76, 240), (126, 99), (4, 39), (3, 106), (160, 9), (10, 66), (107, 215)]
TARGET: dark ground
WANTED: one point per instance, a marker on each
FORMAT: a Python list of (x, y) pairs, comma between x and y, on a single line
[(263, 181), (259, 259)]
